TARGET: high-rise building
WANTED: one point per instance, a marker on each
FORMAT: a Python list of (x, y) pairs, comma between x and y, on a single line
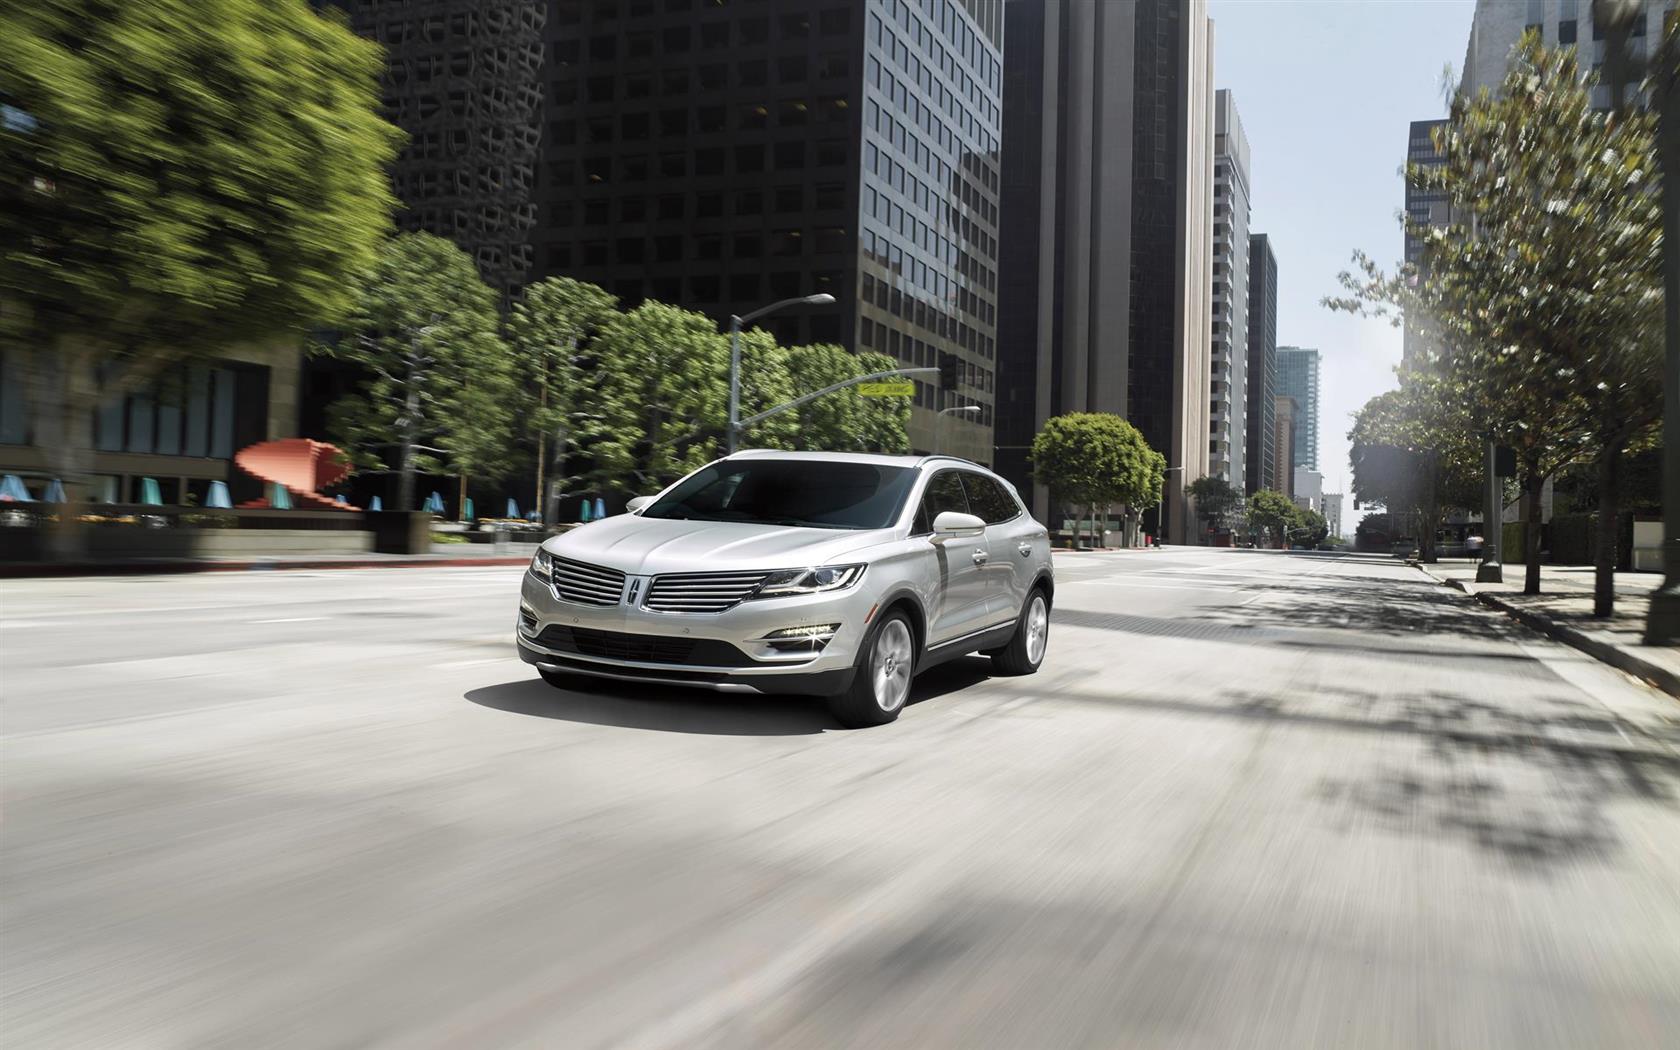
[(1261, 462), (1228, 386), (1107, 234), (1283, 428), (724, 156), (1332, 511), (1497, 26), (465, 81), (1298, 380), (1423, 206)]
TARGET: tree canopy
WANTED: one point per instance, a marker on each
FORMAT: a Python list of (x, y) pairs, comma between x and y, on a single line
[(439, 388)]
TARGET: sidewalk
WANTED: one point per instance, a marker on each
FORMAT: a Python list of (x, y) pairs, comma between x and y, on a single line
[(1563, 610), (450, 555)]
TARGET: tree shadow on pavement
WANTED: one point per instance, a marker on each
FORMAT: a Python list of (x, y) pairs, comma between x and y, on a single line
[(628, 705)]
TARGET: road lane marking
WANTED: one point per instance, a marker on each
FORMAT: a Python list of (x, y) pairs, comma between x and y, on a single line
[(292, 619)]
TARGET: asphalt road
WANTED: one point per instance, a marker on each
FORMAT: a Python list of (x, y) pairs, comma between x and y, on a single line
[(1253, 800)]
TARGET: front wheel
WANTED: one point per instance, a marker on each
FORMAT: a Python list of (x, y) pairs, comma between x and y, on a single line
[(882, 683), (1025, 651)]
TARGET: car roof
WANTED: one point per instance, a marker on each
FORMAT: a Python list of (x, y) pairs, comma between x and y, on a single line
[(856, 457)]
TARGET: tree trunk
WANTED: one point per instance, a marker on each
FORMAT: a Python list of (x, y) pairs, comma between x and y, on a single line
[(1533, 484), (1431, 516), (405, 465), (1604, 560), (461, 500)]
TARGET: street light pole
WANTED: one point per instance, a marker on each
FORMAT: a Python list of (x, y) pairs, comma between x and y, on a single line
[(939, 424), (1493, 521), (735, 324)]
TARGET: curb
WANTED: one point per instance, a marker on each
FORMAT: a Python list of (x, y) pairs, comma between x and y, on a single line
[(140, 568), (1616, 656)]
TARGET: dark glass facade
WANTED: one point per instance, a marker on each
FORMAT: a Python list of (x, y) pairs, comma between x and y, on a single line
[(1261, 469), (721, 156)]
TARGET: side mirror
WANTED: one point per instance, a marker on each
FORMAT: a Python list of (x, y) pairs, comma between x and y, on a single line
[(638, 502), (951, 525)]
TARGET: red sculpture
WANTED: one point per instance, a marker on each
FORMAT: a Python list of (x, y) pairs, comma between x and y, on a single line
[(302, 465)]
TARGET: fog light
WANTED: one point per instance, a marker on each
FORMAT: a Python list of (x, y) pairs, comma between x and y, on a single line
[(810, 639), (527, 619)]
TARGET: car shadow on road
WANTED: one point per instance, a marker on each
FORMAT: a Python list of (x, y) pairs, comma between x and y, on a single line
[(663, 709)]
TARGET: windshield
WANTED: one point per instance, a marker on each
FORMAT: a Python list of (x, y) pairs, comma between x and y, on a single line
[(810, 493)]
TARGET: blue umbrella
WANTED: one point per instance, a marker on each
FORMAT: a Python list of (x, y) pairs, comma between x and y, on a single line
[(583, 511), (340, 500), (467, 509), (218, 497), (513, 509), (12, 490), (376, 504), (434, 503), (600, 507), (55, 492), (282, 499), (150, 494)]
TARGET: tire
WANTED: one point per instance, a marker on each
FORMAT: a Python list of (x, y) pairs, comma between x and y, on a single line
[(558, 679), (881, 687), (1025, 652)]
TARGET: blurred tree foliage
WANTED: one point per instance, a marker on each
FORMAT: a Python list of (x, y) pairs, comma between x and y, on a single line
[(845, 421), (1544, 288), (1215, 497), (548, 329), (1417, 449), (439, 391), (175, 176)]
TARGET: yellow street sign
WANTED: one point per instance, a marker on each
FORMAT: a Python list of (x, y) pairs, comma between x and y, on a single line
[(888, 388)]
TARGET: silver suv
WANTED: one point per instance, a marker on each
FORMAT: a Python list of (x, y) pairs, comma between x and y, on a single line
[(824, 574)]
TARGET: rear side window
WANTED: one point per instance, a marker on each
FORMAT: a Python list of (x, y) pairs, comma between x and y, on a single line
[(988, 500), (944, 492)]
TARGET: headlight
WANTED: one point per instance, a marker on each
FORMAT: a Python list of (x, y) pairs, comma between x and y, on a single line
[(785, 582), (542, 565)]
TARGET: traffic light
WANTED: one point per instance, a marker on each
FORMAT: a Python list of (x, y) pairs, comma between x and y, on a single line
[(948, 366)]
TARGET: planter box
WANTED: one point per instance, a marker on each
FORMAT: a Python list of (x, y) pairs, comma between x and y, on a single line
[(401, 531)]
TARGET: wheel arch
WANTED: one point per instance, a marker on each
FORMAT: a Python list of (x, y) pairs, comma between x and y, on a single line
[(912, 608)]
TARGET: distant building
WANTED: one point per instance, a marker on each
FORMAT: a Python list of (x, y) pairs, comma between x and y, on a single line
[(1332, 511), (1298, 379), (1308, 490), (1261, 462), (1283, 430), (1227, 440), (1105, 268)]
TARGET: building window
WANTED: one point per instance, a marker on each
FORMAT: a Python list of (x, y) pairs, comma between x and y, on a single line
[(709, 205), (786, 242), (748, 246), (749, 202), (667, 249), (749, 158), (631, 250), (743, 287)]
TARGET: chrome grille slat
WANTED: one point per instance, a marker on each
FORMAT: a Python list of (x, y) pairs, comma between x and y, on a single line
[(701, 591), (575, 581)]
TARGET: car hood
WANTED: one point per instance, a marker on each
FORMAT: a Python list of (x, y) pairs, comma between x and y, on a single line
[(650, 546)]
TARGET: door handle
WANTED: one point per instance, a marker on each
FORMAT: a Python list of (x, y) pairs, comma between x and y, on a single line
[(980, 555), (1025, 549)]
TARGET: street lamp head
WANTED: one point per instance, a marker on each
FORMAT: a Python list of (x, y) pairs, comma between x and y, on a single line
[(820, 299)]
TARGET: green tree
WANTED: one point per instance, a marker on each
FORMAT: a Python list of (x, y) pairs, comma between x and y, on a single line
[(180, 175), (548, 330), (1093, 458), (440, 383), (1272, 513), (1215, 497), (658, 397), (1311, 527), (845, 421), (766, 381), (1544, 287)]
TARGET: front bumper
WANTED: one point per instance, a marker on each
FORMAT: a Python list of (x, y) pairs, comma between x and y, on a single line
[(723, 651)]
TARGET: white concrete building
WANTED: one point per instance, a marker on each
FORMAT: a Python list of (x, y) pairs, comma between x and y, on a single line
[(1228, 386), (1498, 24), (1309, 489), (1332, 512)]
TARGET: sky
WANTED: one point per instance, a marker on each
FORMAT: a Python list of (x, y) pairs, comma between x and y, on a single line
[(1325, 90)]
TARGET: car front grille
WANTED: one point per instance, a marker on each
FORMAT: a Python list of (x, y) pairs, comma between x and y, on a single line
[(702, 591), (587, 584), (641, 648)]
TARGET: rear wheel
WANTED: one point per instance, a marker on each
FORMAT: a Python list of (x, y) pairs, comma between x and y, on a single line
[(1025, 651), (882, 683)]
